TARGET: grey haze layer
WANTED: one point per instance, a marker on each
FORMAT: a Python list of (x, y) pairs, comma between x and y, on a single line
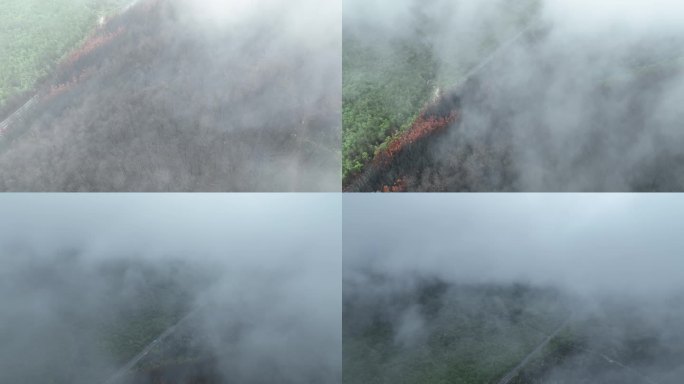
[(621, 243), (85, 279), (610, 264), (179, 95)]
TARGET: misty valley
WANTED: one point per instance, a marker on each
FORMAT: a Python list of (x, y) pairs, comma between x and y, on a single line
[(432, 331)]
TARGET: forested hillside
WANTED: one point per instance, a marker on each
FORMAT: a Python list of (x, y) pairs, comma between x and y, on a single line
[(443, 333), (436, 332), (398, 57), (545, 103), (159, 99), (95, 316), (35, 34)]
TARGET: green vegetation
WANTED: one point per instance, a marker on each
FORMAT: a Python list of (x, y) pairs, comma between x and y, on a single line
[(388, 76), (382, 92), (468, 335), (125, 338), (559, 349), (37, 33), (185, 345), (144, 319), (524, 334)]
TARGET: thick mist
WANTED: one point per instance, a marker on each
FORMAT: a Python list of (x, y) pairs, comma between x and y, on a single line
[(618, 243), (88, 281), (585, 99), (428, 275), (179, 95)]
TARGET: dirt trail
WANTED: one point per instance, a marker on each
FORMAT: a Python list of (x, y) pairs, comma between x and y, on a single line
[(514, 372), (18, 114), (121, 372), (27, 107)]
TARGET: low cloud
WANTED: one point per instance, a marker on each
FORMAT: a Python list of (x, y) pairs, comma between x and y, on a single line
[(86, 279)]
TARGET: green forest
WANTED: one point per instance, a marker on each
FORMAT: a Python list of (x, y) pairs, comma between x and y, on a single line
[(382, 92), (467, 334), (389, 76), (37, 33)]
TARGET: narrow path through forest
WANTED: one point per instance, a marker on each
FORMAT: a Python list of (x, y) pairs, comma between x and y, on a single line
[(121, 372), (22, 111), (514, 372)]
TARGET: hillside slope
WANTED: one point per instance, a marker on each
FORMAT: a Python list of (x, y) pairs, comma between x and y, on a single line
[(159, 101), (614, 130)]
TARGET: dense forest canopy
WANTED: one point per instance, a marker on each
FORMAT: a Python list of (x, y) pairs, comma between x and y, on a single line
[(433, 331), (565, 103), (35, 34), (398, 55), (169, 97)]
